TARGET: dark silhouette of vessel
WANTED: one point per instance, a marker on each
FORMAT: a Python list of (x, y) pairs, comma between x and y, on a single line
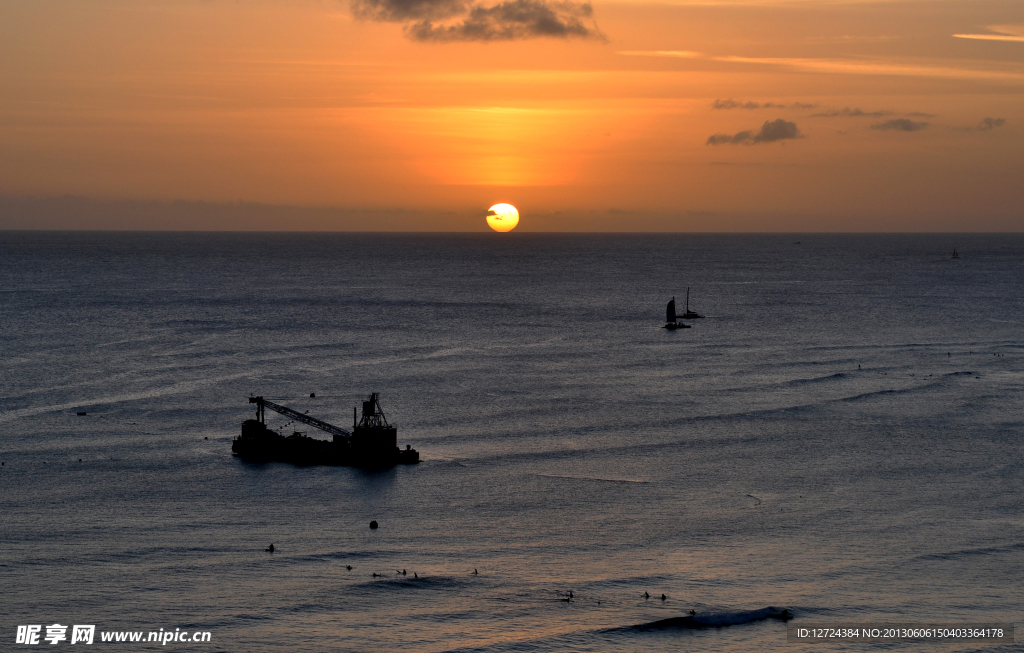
[(689, 315), (672, 323), (955, 253), (372, 443)]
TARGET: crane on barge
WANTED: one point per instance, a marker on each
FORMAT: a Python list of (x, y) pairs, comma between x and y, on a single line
[(262, 404), (373, 442)]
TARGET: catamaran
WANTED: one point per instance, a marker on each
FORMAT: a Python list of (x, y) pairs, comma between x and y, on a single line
[(690, 315), (670, 315)]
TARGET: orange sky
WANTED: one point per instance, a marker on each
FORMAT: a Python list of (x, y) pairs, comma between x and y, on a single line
[(709, 116)]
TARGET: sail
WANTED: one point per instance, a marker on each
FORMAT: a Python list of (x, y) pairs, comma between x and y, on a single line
[(670, 311)]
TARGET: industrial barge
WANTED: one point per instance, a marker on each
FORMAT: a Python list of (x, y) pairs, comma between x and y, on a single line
[(372, 443)]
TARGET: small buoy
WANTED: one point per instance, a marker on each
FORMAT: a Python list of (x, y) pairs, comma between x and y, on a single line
[(206, 438), (79, 460), (312, 395), (373, 524), (349, 567), (663, 597), (403, 572)]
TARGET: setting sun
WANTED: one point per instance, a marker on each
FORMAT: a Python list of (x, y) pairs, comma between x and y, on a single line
[(502, 217)]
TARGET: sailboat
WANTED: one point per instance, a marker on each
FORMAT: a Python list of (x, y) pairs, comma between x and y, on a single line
[(955, 253), (670, 317), (690, 315)]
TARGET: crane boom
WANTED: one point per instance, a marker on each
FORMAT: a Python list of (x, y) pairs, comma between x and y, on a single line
[(262, 403)]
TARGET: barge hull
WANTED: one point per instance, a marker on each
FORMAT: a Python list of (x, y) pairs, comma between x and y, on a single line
[(259, 444)]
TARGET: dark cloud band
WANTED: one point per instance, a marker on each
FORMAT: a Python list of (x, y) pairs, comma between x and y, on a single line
[(770, 132), (851, 113), (900, 124), (733, 104), (460, 20), (988, 124)]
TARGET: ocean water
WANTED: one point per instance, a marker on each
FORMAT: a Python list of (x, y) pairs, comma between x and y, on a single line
[(840, 437)]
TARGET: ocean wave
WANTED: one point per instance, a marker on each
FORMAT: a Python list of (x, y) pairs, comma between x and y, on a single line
[(796, 383), (983, 551), (594, 478), (791, 383), (409, 581), (714, 619)]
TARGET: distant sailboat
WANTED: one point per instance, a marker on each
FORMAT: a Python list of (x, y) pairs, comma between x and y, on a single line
[(955, 254), (670, 317), (690, 315)]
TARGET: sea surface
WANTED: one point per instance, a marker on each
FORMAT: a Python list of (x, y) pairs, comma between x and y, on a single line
[(839, 437)]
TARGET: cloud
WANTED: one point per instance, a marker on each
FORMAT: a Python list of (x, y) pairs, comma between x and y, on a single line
[(722, 139), (733, 104), (989, 37), (846, 66), (900, 124), (771, 131), (400, 11), (777, 130), (1002, 33), (462, 20), (851, 113), (988, 124)]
